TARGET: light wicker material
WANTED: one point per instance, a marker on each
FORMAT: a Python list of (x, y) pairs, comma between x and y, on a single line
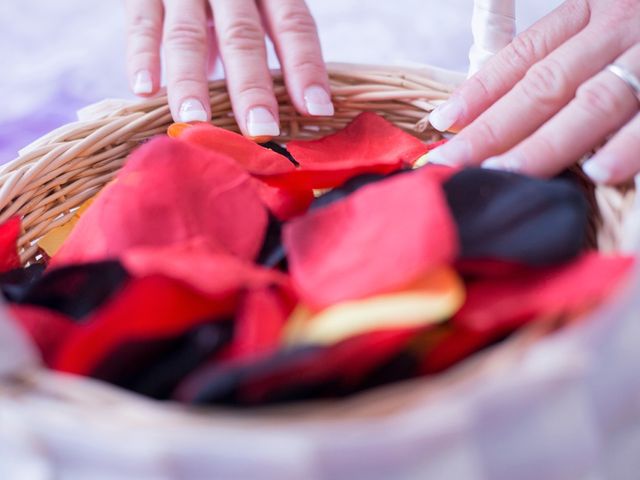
[(65, 427)]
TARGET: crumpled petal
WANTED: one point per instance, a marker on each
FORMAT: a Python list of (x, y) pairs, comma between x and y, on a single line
[(501, 304), (369, 144), (379, 239), (170, 192)]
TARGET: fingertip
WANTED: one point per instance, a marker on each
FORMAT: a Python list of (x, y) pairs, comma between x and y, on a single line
[(143, 84), (192, 110), (317, 101)]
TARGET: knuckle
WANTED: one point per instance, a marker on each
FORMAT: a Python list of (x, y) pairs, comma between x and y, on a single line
[(307, 64), (546, 83), (256, 90), (487, 136), (186, 34), (242, 35), (599, 98), (142, 26), (295, 20), (526, 48)]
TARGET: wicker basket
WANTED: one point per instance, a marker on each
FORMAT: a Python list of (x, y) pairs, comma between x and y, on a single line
[(540, 406)]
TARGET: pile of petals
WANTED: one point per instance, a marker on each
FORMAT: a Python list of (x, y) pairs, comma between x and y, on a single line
[(208, 272)]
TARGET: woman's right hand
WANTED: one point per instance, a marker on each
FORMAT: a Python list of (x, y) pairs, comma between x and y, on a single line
[(194, 32)]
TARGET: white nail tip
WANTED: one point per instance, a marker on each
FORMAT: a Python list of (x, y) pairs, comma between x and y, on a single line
[(268, 129), (192, 111), (143, 84), (320, 109), (596, 172), (493, 163)]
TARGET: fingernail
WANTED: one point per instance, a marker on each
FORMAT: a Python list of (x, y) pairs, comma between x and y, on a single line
[(143, 84), (507, 163), (446, 115), (262, 123), (454, 152), (318, 101), (596, 171), (493, 163), (192, 110)]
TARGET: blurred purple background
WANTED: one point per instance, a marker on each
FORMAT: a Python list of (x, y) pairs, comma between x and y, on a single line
[(61, 55)]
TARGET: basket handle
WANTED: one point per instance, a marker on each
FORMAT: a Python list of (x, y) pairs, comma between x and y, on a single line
[(493, 26)]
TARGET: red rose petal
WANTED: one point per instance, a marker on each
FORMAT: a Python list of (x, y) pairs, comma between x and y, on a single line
[(252, 157), (347, 361), (284, 203), (502, 304), (262, 315), (48, 330), (9, 234), (379, 239), (211, 273), (170, 192), (151, 307), (369, 144)]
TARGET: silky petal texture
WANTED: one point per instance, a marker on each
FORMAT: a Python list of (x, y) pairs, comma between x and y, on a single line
[(512, 217), (284, 203), (254, 158), (47, 329), (212, 273), (151, 307), (503, 304), (9, 234), (380, 239), (433, 299), (346, 363), (369, 144), (291, 374), (170, 192), (260, 320)]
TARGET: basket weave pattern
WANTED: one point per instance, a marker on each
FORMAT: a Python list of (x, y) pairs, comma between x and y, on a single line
[(59, 172)]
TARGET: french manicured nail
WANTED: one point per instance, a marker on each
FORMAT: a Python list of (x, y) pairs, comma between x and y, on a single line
[(596, 171), (318, 101), (493, 163), (446, 115), (143, 84), (507, 162), (262, 123), (192, 110), (454, 152)]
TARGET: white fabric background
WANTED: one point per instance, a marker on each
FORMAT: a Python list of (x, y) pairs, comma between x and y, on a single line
[(58, 56)]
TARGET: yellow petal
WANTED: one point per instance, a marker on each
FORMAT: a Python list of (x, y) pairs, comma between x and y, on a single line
[(53, 240), (432, 300)]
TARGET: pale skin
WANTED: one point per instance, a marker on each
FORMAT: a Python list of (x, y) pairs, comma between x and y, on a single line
[(541, 103)]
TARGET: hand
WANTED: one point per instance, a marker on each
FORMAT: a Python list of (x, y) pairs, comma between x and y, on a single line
[(547, 99), (192, 42)]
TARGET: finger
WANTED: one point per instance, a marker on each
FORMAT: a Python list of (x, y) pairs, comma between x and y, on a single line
[(241, 41), (185, 44), (508, 67), (546, 88), (618, 161), (212, 53), (293, 31), (144, 35), (601, 107)]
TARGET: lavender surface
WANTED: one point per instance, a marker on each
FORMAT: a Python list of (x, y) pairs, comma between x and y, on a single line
[(58, 56)]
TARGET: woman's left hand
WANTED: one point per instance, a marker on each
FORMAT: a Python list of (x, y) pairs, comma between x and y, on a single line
[(549, 98)]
